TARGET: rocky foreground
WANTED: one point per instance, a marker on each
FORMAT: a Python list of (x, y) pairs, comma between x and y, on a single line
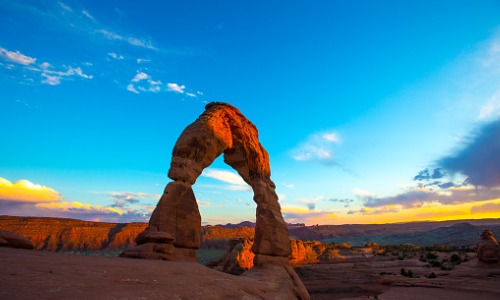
[(46, 275)]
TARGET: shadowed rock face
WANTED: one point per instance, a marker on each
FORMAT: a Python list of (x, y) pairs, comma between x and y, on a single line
[(14, 240), (221, 129), (488, 250), (173, 232)]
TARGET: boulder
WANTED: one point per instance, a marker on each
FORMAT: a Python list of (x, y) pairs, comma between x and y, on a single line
[(13, 240), (488, 250)]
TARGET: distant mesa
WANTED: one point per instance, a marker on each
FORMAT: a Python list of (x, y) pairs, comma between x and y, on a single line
[(173, 232), (14, 240), (488, 250)]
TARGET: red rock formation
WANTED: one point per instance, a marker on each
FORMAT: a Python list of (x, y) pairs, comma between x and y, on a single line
[(58, 234), (488, 250), (216, 237), (13, 240), (238, 256), (306, 252), (221, 129)]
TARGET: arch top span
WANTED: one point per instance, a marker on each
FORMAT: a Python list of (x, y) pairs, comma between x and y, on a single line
[(222, 128), (174, 228)]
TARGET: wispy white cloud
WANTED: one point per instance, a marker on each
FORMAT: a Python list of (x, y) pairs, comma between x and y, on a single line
[(141, 60), (191, 95), (133, 197), (224, 175), (49, 74), (311, 203), (366, 211), (116, 56), (490, 110), (51, 80), (144, 83), (110, 35), (233, 187), (16, 57), (153, 86), (318, 147), (65, 7), (174, 87), (140, 76), (203, 203), (88, 15), (293, 214), (132, 89)]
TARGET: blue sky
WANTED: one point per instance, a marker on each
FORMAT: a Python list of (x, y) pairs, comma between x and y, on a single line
[(353, 100)]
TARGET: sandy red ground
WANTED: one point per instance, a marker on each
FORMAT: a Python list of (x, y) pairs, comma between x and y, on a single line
[(43, 275)]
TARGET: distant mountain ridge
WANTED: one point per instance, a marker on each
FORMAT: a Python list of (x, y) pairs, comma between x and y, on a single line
[(453, 232), (59, 234), (252, 225)]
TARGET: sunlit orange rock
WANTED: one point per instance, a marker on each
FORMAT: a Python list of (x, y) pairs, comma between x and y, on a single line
[(221, 129), (239, 257), (60, 234)]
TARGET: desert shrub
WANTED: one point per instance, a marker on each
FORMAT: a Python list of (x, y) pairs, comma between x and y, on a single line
[(446, 268), (431, 255), (408, 273), (455, 259), (435, 263), (422, 258), (432, 275)]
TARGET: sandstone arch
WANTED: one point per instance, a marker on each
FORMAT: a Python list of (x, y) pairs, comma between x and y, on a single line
[(174, 228)]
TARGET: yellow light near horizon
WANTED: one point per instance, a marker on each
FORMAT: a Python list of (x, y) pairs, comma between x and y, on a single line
[(25, 191), (427, 212)]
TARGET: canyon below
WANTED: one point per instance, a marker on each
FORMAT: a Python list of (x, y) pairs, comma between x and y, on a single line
[(434, 260)]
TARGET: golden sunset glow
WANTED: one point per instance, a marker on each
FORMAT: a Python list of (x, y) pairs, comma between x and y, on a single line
[(397, 214), (25, 191), (67, 206)]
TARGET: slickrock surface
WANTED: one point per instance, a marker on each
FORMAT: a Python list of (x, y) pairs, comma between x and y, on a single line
[(46, 275), (370, 278)]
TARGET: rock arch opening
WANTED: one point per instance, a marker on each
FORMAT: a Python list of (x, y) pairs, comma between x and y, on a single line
[(173, 232)]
